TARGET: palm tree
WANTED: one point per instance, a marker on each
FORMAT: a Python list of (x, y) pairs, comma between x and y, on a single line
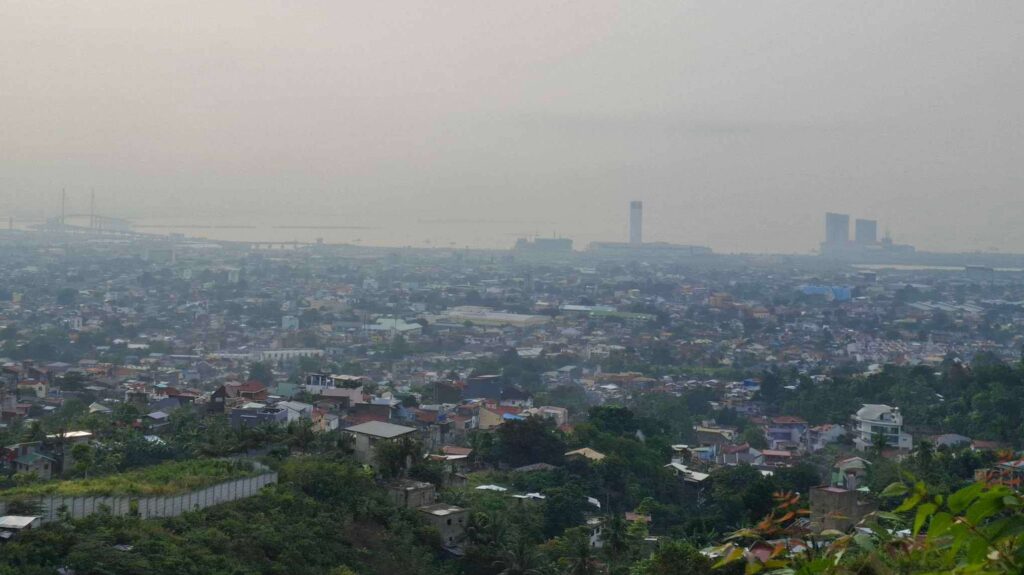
[(579, 558), (924, 452), (300, 435), (615, 538), (518, 556), (34, 432), (879, 443), (488, 528), (60, 443)]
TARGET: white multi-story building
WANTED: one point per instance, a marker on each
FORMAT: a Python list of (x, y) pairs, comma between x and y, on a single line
[(874, 419), (350, 386)]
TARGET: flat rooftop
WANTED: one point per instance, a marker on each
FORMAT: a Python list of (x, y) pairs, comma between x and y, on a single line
[(381, 429), (441, 509)]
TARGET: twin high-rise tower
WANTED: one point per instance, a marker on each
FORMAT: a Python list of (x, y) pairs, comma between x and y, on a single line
[(837, 230), (865, 232)]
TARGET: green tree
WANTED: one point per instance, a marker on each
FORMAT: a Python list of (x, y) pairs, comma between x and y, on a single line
[(924, 453), (563, 508), (879, 444), (300, 435), (754, 437), (576, 556), (517, 555), (613, 419), (261, 372), (741, 493), (674, 558), (82, 455), (393, 458), (615, 541), (799, 478), (528, 441)]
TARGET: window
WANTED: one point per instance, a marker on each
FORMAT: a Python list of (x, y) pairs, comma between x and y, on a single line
[(449, 522)]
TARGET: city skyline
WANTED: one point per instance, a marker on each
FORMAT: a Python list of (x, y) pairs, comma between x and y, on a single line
[(840, 229), (468, 287), (520, 113)]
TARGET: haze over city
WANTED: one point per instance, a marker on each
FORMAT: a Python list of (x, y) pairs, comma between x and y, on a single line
[(471, 287), (471, 123)]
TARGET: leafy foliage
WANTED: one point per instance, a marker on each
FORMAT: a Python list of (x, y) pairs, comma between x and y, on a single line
[(164, 479), (323, 518), (977, 529), (984, 401)]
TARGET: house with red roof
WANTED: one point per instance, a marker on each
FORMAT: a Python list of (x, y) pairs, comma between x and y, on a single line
[(233, 394), (786, 432), (740, 454)]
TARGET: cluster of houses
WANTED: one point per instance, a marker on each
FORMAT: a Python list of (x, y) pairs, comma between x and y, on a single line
[(166, 327), (46, 458), (788, 439), (454, 408)]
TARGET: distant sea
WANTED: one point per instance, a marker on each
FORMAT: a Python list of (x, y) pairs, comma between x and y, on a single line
[(451, 233), (911, 267)]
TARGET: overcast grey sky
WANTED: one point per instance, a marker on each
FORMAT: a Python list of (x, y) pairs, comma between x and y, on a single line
[(737, 123)]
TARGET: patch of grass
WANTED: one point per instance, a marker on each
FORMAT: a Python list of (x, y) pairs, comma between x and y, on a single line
[(167, 478)]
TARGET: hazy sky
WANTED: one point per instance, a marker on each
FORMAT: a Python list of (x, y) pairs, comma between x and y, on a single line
[(737, 123)]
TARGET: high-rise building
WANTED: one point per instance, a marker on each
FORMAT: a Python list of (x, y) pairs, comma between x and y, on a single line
[(636, 222), (837, 228), (865, 231)]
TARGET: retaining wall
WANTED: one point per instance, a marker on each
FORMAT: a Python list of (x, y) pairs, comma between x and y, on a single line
[(54, 507)]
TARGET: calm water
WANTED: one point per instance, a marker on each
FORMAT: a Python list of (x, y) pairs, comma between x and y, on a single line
[(909, 267), (489, 234)]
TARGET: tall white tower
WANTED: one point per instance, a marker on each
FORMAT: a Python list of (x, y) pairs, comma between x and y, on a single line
[(636, 222)]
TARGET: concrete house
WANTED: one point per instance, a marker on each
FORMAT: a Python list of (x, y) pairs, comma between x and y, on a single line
[(412, 494), (820, 436), (834, 507), (370, 434), (449, 520), (43, 465), (296, 410), (740, 454), (257, 414), (786, 433), (875, 419)]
